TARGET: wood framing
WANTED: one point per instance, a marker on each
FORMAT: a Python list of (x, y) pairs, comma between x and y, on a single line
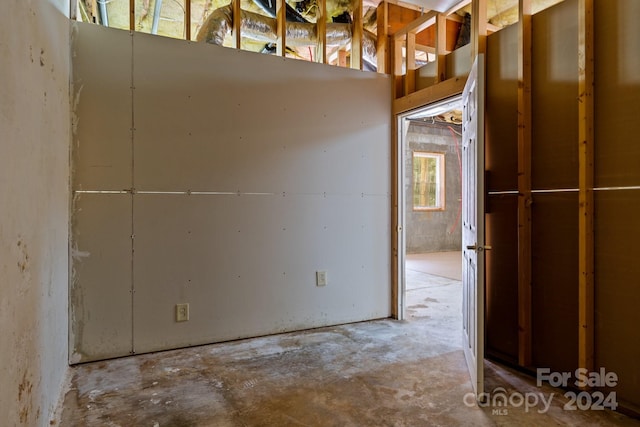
[(410, 64), (396, 71), (586, 181), (418, 25), (321, 23), (428, 95), (524, 184), (382, 45), (132, 15), (187, 20), (356, 37), (478, 27), (237, 21), (441, 47), (281, 28), (395, 221)]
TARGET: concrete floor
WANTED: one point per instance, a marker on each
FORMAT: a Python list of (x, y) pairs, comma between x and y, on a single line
[(379, 373)]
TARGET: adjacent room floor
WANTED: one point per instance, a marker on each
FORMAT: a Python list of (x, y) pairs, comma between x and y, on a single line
[(378, 373)]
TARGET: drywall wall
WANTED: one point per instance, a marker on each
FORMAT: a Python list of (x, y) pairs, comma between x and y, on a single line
[(501, 226), (617, 230), (439, 230), (555, 205), (554, 221), (238, 175), (34, 195), (554, 160)]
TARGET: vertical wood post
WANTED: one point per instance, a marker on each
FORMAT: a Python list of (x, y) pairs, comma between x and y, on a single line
[(586, 183), (441, 47), (478, 27), (356, 37), (321, 24), (132, 15), (237, 23), (524, 184), (187, 20), (382, 47), (410, 64), (281, 27)]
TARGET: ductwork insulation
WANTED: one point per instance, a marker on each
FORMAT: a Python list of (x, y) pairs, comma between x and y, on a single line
[(263, 29)]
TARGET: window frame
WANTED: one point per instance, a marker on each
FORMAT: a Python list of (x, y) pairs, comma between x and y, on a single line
[(440, 171)]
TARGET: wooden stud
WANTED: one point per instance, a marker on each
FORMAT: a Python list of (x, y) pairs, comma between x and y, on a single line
[(187, 20), (395, 223), (237, 23), (321, 24), (281, 28), (342, 57), (132, 15), (524, 184), (410, 64), (418, 25), (448, 88), (382, 46), (356, 37), (396, 51), (586, 181), (478, 27), (441, 47)]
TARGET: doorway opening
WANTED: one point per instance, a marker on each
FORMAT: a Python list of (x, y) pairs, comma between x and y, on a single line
[(430, 213)]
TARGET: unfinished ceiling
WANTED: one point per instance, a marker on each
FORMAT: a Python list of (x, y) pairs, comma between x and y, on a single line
[(166, 17)]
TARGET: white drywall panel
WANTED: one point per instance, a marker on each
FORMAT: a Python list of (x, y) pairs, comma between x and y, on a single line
[(313, 139), (214, 119), (246, 265), (101, 108), (34, 200), (100, 291)]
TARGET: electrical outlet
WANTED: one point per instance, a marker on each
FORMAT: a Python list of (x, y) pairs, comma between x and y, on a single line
[(182, 312), (321, 278)]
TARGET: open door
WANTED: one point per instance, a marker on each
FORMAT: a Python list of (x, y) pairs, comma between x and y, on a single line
[(473, 224)]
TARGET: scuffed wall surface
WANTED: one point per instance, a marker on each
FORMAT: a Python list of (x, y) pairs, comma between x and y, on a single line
[(34, 188), (440, 230), (251, 172)]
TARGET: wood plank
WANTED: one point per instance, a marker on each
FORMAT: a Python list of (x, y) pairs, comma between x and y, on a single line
[(342, 57), (418, 25), (586, 183), (428, 95), (383, 37), (441, 47), (237, 20), (524, 184), (410, 64), (397, 67), (395, 224), (478, 27), (321, 23), (356, 37), (132, 15), (281, 28), (187, 20)]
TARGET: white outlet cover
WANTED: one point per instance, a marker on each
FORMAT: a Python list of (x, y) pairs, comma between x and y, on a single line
[(321, 278)]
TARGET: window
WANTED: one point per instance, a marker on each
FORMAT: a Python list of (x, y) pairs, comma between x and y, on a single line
[(428, 181)]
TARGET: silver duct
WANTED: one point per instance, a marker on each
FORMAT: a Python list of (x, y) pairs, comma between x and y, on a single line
[(263, 29)]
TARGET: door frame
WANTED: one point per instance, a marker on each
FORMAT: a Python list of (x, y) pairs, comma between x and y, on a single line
[(399, 200)]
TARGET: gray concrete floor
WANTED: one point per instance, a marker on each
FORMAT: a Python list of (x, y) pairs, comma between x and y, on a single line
[(378, 373)]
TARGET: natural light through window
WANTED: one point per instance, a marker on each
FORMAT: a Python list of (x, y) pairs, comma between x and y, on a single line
[(428, 181)]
